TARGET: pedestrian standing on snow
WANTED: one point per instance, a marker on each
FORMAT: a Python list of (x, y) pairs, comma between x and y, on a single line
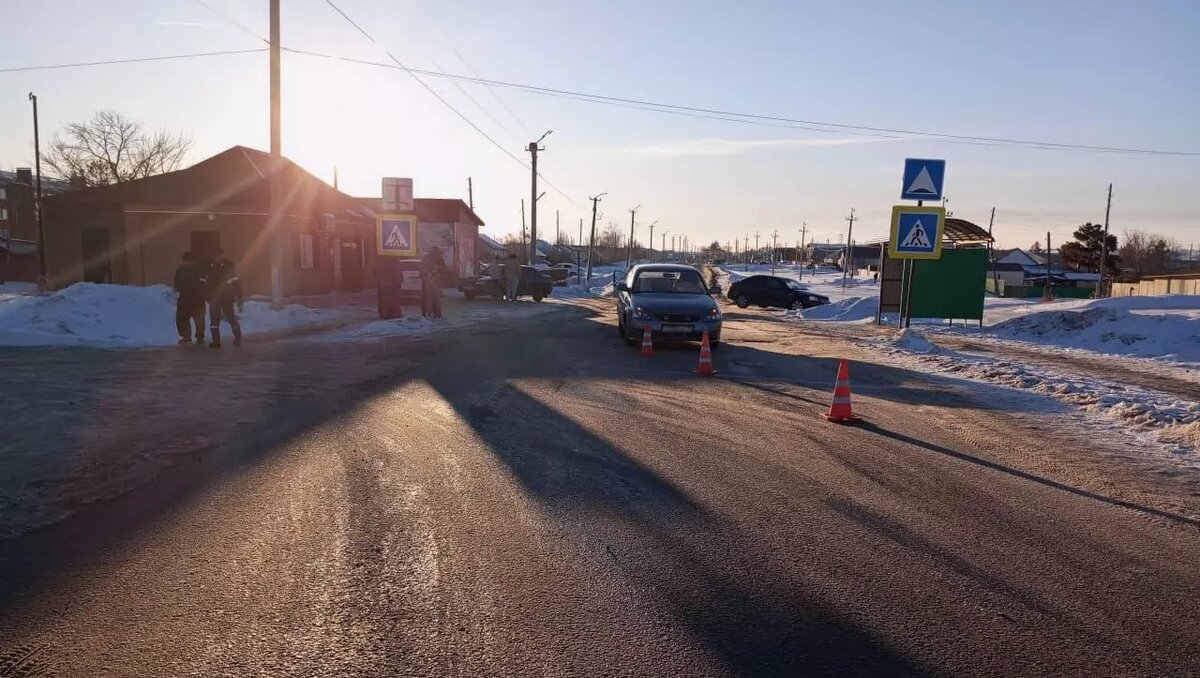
[(189, 306), (512, 277), (224, 288), (432, 266)]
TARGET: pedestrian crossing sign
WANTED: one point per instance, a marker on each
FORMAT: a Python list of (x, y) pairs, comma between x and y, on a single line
[(917, 232), (396, 235)]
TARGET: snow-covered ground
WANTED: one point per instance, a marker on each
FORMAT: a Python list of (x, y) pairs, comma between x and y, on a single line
[(1154, 416), (119, 316), (15, 289)]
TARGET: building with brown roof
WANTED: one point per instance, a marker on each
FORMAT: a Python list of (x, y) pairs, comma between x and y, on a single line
[(134, 232)]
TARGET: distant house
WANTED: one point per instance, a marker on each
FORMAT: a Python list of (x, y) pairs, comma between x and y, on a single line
[(861, 256), (18, 222), (490, 252)]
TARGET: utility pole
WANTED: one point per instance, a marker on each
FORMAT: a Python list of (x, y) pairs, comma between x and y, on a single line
[(275, 223), (578, 252), (992, 254), (652, 241), (745, 253), (849, 253), (629, 247), (524, 244), (800, 253), (1047, 293), (43, 278), (470, 195), (533, 194), (664, 244), (557, 229), (1102, 292), (756, 244), (774, 248), (592, 241)]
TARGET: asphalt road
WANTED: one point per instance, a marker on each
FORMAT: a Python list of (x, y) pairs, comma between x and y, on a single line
[(540, 500)]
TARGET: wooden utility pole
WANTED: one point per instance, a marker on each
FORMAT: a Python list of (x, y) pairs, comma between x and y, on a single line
[(992, 254), (629, 246), (275, 222), (534, 147), (43, 278), (1047, 293), (592, 241), (849, 253), (1102, 290), (524, 244)]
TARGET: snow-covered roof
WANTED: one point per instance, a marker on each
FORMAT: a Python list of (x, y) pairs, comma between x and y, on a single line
[(491, 243)]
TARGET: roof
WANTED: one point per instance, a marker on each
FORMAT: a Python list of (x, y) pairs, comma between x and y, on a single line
[(664, 267), (963, 232), (1005, 266), (237, 176), (491, 243), (49, 184), (431, 210)]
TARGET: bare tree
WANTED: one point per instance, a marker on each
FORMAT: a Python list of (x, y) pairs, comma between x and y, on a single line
[(1148, 253), (612, 236), (111, 148)]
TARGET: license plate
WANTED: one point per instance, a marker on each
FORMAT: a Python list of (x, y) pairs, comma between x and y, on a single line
[(677, 329)]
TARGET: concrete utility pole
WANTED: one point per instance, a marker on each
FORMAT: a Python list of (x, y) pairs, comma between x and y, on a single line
[(592, 241), (746, 253), (849, 253), (1102, 291), (992, 255), (774, 249), (470, 194), (652, 241), (1047, 293), (629, 247), (578, 253), (43, 278), (524, 244), (275, 223), (533, 193), (557, 229), (756, 244)]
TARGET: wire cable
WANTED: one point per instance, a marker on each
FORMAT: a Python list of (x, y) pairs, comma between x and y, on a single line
[(231, 22), (134, 60), (439, 97), (811, 125)]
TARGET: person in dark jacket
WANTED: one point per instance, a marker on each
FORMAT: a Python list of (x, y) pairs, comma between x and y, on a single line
[(432, 266), (224, 288), (189, 307)]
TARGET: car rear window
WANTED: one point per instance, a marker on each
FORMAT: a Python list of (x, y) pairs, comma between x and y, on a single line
[(676, 282)]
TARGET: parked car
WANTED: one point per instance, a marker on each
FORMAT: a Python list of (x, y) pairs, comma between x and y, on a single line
[(534, 283), (769, 290), (669, 299)]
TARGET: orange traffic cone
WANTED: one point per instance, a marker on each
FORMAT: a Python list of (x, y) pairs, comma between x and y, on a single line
[(840, 411), (647, 343), (705, 368)]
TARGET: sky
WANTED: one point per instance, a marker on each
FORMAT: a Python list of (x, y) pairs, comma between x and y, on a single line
[(1095, 73)]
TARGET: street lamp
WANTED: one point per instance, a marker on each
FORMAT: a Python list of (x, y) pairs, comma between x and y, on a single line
[(652, 241), (664, 244)]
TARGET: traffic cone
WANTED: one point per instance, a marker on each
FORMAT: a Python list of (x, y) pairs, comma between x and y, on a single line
[(705, 368), (840, 411), (647, 343)]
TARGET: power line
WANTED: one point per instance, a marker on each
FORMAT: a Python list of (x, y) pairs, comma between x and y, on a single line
[(734, 116), (134, 60), (442, 99), (232, 22)]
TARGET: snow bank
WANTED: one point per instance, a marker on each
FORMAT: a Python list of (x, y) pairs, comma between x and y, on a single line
[(1158, 417), (850, 309), (16, 289), (118, 316), (1110, 328)]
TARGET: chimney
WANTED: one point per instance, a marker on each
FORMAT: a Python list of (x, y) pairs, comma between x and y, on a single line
[(25, 176)]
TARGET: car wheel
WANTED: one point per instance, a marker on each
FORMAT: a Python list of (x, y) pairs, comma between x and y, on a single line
[(797, 305), (742, 301)]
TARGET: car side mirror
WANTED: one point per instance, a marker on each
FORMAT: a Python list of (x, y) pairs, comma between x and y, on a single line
[(621, 287)]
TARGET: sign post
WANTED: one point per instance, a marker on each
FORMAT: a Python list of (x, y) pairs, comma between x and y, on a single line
[(917, 231)]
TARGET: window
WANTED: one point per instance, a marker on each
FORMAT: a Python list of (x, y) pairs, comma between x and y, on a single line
[(3, 213), (669, 282), (306, 251), (3, 193)]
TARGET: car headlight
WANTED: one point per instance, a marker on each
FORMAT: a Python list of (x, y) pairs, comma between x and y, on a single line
[(640, 313), (714, 314)]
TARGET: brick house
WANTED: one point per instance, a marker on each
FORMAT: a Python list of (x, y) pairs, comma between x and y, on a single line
[(18, 223), (134, 233)]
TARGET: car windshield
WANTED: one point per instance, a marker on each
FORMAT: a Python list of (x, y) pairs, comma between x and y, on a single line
[(669, 282), (796, 286)]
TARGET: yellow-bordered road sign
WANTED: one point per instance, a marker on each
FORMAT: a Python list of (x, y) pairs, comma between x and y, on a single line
[(917, 232), (396, 235)]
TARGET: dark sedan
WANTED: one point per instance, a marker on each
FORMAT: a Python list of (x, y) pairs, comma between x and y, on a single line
[(769, 290), (669, 299)]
